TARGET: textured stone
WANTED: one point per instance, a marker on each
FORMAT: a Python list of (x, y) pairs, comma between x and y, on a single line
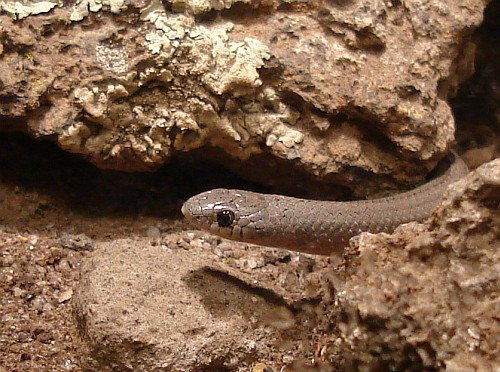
[(151, 308), (336, 88), (433, 287)]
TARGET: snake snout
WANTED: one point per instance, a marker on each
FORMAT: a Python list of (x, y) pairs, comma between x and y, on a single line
[(184, 210)]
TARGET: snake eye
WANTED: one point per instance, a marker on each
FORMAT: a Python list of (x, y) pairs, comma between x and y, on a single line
[(225, 218)]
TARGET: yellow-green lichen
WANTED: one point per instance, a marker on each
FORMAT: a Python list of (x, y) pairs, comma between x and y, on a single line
[(82, 8), (23, 9)]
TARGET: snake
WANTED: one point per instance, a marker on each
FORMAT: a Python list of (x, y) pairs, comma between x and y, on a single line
[(314, 226)]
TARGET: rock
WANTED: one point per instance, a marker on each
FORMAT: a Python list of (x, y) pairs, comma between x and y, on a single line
[(153, 232), (76, 242), (144, 308), (428, 294), (356, 91)]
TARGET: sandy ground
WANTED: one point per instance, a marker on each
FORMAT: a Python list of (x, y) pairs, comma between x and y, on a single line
[(53, 208)]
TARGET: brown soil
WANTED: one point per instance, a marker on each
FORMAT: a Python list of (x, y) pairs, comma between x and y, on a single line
[(53, 208)]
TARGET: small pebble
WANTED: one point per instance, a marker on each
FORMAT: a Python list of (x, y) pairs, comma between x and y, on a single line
[(153, 232)]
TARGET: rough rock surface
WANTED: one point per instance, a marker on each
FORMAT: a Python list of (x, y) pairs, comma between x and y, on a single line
[(145, 308), (337, 88), (433, 287), (190, 302)]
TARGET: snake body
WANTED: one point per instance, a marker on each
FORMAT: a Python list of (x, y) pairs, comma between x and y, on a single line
[(312, 226)]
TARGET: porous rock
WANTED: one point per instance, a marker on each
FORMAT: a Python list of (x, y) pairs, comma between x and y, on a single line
[(333, 87), (146, 308), (428, 294)]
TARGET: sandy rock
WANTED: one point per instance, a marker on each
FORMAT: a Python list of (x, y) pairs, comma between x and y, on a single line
[(145, 308), (336, 88), (429, 292)]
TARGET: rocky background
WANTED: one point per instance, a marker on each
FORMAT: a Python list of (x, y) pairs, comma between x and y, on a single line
[(112, 113)]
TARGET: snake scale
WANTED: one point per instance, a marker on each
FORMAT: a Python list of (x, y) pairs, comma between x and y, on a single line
[(313, 226)]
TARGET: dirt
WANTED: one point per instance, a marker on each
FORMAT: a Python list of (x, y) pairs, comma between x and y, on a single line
[(56, 208), (53, 208)]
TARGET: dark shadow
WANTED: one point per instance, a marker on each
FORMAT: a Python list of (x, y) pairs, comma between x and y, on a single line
[(73, 183), (475, 106), (226, 296), (43, 188), (42, 185)]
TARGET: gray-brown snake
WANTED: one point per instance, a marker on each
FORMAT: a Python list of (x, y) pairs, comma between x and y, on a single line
[(312, 226)]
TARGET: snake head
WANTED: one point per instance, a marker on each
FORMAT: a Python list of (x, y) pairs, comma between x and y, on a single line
[(232, 214)]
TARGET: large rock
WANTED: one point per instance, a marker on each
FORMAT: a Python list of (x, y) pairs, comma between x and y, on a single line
[(344, 88), (146, 308), (428, 294)]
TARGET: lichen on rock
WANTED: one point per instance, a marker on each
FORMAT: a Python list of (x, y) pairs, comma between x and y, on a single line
[(23, 9), (334, 90)]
